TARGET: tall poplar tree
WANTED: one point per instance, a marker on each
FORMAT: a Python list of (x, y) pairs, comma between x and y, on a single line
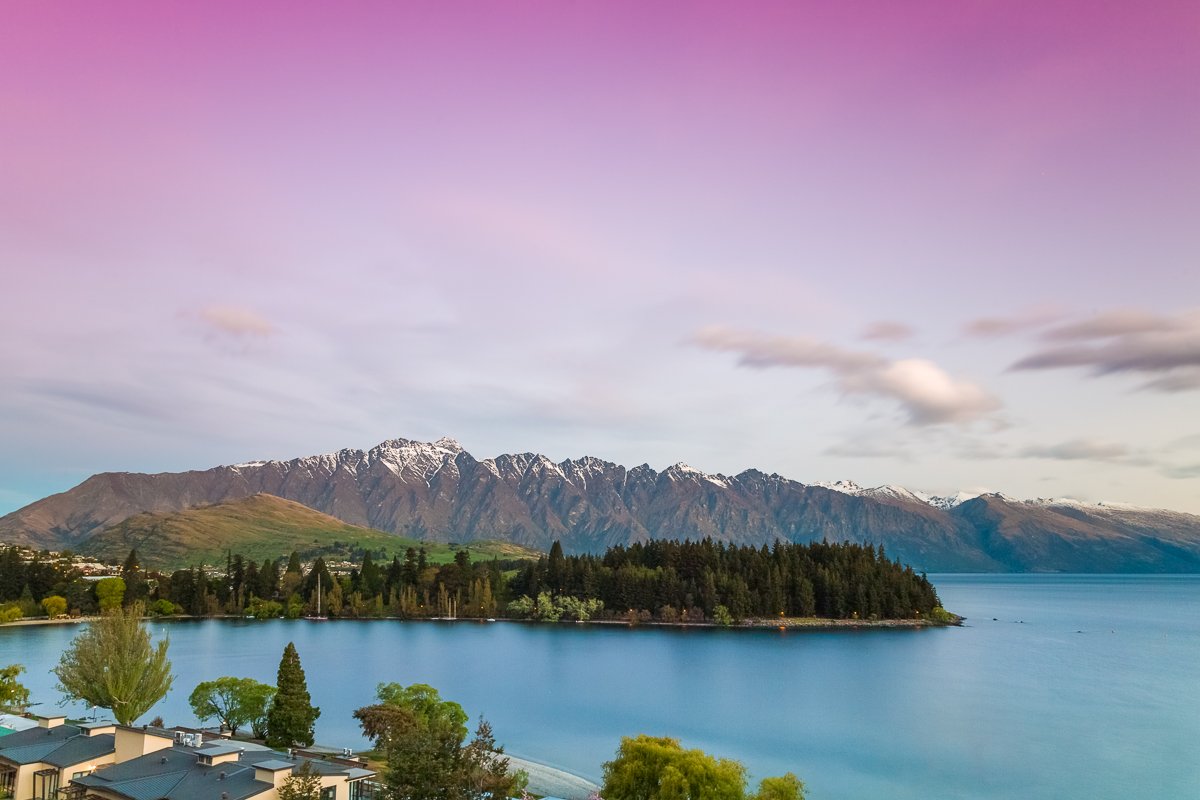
[(292, 716), (113, 664)]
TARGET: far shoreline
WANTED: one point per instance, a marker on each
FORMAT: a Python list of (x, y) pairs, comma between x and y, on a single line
[(757, 623)]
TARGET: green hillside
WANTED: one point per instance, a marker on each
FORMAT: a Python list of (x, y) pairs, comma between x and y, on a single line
[(259, 527)]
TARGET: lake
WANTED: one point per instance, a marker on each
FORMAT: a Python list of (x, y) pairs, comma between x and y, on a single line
[(1058, 687)]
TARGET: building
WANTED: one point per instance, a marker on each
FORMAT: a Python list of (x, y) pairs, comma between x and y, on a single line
[(37, 761), (159, 765), (106, 761)]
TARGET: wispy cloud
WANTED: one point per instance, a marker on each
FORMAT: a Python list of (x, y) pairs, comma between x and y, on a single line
[(1120, 322), (1078, 450), (928, 395), (236, 321), (1126, 342), (1185, 472), (992, 327), (888, 331)]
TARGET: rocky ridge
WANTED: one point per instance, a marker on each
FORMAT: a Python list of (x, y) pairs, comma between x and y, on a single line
[(438, 491)]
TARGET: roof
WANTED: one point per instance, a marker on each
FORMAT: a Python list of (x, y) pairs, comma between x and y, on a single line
[(63, 746), (89, 725), (219, 749), (79, 749), (177, 774), (15, 722)]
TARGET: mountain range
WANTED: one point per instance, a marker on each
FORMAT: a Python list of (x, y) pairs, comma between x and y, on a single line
[(439, 492)]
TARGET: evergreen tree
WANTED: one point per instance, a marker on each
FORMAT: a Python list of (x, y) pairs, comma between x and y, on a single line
[(136, 589), (292, 716)]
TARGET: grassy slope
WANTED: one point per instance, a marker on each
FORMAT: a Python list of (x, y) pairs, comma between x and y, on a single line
[(259, 527)]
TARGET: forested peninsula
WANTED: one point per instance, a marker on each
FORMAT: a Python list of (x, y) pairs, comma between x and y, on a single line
[(659, 581)]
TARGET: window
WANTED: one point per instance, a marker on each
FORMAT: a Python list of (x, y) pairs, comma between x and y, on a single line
[(328, 793)]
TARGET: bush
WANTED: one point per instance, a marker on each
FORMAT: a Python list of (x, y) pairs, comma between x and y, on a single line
[(941, 615), (164, 608)]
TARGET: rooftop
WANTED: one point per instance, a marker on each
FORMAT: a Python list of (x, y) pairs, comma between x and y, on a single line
[(177, 773), (62, 746)]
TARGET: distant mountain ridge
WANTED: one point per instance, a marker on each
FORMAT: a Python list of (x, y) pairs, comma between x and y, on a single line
[(438, 491)]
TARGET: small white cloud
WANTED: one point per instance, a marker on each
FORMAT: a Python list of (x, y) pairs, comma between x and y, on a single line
[(928, 394)]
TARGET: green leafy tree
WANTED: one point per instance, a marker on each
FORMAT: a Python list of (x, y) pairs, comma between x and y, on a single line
[(652, 768), (422, 737), (233, 701), (784, 787), (292, 715), (54, 606), (112, 664), (109, 593), (303, 784), (13, 696)]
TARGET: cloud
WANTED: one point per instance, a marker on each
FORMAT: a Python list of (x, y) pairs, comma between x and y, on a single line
[(762, 351), (992, 327), (1183, 473), (235, 321), (1078, 450), (927, 394), (1183, 380), (1127, 341), (888, 331), (1113, 323)]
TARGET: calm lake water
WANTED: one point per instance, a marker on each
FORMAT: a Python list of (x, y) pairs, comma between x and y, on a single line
[(1059, 687)]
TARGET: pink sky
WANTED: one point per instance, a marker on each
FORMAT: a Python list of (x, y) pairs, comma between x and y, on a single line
[(233, 231)]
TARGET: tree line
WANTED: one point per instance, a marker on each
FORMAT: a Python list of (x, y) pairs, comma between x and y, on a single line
[(674, 581), (660, 580)]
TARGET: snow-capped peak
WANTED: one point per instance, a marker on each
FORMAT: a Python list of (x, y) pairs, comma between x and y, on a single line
[(845, 487), (897, 493), (1102, 505), (892, 491), (947, 502)]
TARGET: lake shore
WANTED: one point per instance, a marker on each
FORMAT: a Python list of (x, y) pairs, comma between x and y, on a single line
[(551, 781), (807, 623)]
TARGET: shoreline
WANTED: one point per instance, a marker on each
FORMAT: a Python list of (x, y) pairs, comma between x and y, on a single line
[(552, 781), (783, 623)]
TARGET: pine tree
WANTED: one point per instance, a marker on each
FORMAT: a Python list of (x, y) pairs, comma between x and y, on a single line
[(292, 716)]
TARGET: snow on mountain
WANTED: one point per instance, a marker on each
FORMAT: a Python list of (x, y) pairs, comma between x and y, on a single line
[(893, 492), (845, 487)]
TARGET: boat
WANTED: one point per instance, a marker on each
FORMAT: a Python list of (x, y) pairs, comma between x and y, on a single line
[(318, 617)]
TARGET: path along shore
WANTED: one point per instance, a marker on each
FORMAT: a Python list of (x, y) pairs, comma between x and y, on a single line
[(552, 782)]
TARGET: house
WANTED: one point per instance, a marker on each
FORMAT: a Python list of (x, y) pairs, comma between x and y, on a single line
[(154, 765), (36, 761)]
